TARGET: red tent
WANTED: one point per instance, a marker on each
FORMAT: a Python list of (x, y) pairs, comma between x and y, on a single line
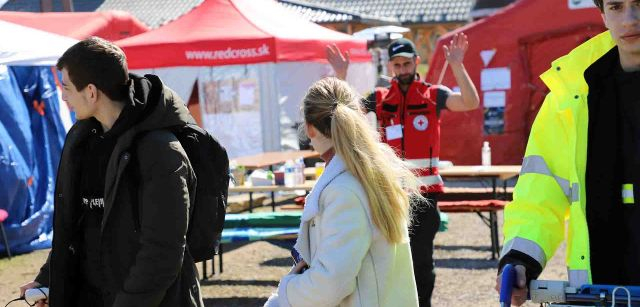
[(517, 44), (228, 32), (110, 25)]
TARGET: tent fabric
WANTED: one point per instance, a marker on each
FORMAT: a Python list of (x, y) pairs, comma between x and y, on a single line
[(231, 32), (26, 46), (524, 38), (179, 79), (110, 25), (31, 138)]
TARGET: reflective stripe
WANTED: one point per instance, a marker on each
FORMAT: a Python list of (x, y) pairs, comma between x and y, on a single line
[(423, 163), (627, 194), (430, 180), (537, 165), (578, 278), (525, 246)]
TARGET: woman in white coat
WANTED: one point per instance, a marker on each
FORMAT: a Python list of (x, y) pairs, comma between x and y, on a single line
[(353, 235)]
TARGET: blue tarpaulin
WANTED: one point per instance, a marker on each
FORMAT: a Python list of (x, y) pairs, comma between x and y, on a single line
[(31, 138)]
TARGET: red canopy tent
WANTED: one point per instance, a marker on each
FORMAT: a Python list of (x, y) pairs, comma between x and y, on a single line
[(518, 44), (227, 32), (110, 25), (252, 62)]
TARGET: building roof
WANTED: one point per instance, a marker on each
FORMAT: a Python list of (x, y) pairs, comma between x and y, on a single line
[(324, 14), (154, 13), (34, 5), (484, 8), (405, 11)]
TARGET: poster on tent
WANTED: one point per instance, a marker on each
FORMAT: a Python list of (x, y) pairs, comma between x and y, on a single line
[(494, 82), (494, 103), (230, 106)]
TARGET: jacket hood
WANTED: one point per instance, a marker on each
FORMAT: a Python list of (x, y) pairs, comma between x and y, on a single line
[(162, 107)]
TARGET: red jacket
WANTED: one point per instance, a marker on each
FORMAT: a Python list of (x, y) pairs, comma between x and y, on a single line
[(410, 123)]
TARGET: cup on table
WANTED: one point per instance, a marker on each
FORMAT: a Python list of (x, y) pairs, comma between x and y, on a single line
[(239, 174), (279, 177), (319, 169)]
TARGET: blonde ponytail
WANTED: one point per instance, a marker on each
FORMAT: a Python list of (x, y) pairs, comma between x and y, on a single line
[(335, 110)]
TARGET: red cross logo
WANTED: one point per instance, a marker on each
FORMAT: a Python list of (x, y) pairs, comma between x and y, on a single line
[(420, 123)]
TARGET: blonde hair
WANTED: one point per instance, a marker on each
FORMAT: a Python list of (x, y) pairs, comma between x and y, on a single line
[(335, 110)]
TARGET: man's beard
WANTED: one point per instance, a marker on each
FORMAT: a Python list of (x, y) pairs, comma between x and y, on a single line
[(406, 79)]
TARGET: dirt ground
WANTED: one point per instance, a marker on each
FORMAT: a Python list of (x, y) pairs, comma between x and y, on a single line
[(465, 273)]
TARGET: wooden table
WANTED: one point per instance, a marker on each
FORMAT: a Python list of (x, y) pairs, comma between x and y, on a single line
[(503, 172), (269, 159), (493, 172), (307, 186)]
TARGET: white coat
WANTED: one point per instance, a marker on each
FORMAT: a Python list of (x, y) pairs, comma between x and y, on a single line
[(350, 262)]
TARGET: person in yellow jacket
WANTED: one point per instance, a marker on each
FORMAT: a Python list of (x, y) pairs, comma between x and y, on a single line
[(582, 164)]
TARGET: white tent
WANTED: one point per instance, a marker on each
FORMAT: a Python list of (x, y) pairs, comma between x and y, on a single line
[(20, 45), (253, 61)]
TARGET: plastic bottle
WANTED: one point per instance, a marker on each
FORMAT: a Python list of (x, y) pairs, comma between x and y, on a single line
[(289, 174), (299, 171), (486, 154)]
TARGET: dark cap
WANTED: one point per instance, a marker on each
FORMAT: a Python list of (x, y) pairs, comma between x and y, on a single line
[(402, 47)]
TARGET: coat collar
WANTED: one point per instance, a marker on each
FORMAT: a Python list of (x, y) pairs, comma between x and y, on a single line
[(333, 169), (562, 79)]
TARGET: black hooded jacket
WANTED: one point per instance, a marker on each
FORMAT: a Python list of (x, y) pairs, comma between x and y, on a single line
[(141, 265)]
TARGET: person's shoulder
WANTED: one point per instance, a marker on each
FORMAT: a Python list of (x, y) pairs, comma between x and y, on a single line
[(158, 142), (157, 136), (346, 184), (384, 81)]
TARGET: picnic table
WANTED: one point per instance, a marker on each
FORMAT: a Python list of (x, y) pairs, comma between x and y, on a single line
[(306, 186), (269, 159), (492, 206)]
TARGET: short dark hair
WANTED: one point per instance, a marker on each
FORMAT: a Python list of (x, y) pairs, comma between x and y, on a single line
[(599, 4), (98, 62)]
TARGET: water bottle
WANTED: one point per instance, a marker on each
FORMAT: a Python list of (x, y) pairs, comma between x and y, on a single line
[(299, 171), (486, 154), (289, 174)]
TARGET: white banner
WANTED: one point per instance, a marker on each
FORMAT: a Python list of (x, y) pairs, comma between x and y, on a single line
[(580, 4)]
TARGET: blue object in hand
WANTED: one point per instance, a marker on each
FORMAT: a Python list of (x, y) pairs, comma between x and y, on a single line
[(297, 258), (506, 284)]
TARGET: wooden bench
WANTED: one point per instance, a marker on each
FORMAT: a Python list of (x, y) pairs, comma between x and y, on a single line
[(479, 193), (492, 206)]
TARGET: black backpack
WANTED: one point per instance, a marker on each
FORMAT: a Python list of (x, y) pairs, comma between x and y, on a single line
[(210, 163)]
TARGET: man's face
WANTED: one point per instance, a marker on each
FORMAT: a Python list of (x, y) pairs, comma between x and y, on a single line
[(77, 100), (622, 19), (404, 68)]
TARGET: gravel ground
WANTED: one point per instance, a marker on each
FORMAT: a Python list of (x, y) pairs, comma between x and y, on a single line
[(465, 273)]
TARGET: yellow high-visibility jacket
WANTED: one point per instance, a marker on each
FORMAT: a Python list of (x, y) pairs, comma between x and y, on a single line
[(550, 189)]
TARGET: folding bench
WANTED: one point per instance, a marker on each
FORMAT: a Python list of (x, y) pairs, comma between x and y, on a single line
[(248, 227), (492, 206)]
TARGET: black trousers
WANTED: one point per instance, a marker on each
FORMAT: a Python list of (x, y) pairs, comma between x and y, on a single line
[(426, 221)]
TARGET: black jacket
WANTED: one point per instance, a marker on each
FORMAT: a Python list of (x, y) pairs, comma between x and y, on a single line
[(145, 264)]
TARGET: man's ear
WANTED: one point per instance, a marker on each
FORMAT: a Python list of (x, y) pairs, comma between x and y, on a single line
[(417, 60), (91, 92), (604, 19)]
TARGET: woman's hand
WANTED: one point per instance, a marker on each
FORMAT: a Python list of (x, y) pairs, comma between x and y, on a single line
[(297, 269)]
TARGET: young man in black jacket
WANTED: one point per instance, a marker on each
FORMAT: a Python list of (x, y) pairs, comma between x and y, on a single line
[(123, 190)]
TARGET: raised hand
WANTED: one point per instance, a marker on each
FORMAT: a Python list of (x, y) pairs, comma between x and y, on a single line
[(338, 60), (456, 49)]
